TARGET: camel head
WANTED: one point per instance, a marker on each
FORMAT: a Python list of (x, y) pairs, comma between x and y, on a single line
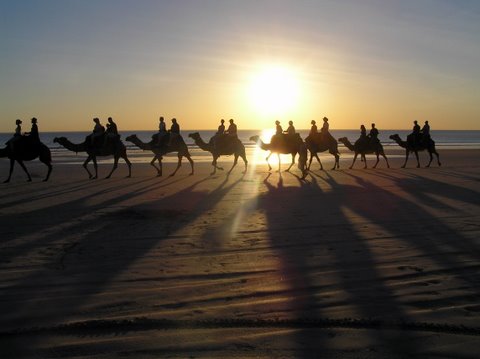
[(395, 137), (60, 140), (131, 138), (254, 138), (194, 135), (342, 139)]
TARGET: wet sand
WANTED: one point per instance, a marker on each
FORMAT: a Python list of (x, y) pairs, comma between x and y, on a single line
[(347, 264)]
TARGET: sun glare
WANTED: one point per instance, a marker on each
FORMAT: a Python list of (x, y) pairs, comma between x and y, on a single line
[(274, 90)]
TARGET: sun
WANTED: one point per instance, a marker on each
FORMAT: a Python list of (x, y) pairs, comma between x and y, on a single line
[(274, 90)]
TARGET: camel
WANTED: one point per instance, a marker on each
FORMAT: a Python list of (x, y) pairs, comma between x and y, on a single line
[(159, 151), (116, 149), (26, 150), (363, 148), (224, 146), (429, 146), (316, 143), (287, 144)]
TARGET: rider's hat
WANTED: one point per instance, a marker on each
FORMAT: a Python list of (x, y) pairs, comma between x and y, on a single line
[(17, 122)]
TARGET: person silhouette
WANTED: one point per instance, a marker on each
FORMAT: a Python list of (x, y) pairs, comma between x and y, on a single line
[(111, 132), (425, 131), (278, 128), (373, 135), (290, 130), (112, 128), (98, 130), (33, 134), (16, 135), (174, 132), (313, 129), (414, 136), (221, 127), (232, 129), (162, 130), (325, 126)]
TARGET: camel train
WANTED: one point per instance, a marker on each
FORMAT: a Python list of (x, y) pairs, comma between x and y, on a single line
[(107, 142)]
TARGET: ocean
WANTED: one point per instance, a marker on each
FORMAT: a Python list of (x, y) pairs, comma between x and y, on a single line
[(443, 139)]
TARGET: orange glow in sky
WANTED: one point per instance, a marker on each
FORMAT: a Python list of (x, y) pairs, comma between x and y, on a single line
[(254, 61)]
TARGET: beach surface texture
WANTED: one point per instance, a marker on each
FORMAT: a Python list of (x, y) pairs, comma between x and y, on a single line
[(351, 263)]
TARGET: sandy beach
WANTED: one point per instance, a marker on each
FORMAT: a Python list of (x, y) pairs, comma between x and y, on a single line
[(374, 263)]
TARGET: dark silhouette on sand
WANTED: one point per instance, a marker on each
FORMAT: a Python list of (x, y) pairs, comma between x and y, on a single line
[(317, 142), (428, 145), (160, 147), (285, 144), (363, 147), (222, 145), (98, 147), (27, 149)]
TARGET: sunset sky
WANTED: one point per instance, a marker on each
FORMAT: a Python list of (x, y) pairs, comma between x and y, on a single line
[(389, 62)]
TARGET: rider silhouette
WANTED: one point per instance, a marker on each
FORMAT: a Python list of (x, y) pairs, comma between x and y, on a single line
[(232, 129), (290, 130)]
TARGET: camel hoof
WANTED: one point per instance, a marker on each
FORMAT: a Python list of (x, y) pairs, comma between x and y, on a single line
[(403, 167), (191, 174), (6, 181)]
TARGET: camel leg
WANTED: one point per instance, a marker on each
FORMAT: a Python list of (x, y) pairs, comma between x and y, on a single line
[(214, 164), (310, 162), (364, 160), (159, 168), (418, 159), (438, 157), (12, 164), (320, 162), (244, 158), (179, 164), (378, 160), (337, 160), (291, 164), (191, 163), (235, 160), (354, 159), (279, 162), (20, 162), (46, 159), (407, 153), (129, 164), (268, 163), (386, 159), (115, 165), (85, 165), (49, 165)]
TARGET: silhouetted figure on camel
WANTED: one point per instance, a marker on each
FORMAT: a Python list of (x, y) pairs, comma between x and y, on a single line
[(26, 148), (177, 145), (428, 145), (321, 142), (95, 145), (283, 144), (226, 144), (363, 147)]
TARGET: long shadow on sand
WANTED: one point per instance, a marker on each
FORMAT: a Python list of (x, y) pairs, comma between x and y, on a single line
[(50, 296)]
